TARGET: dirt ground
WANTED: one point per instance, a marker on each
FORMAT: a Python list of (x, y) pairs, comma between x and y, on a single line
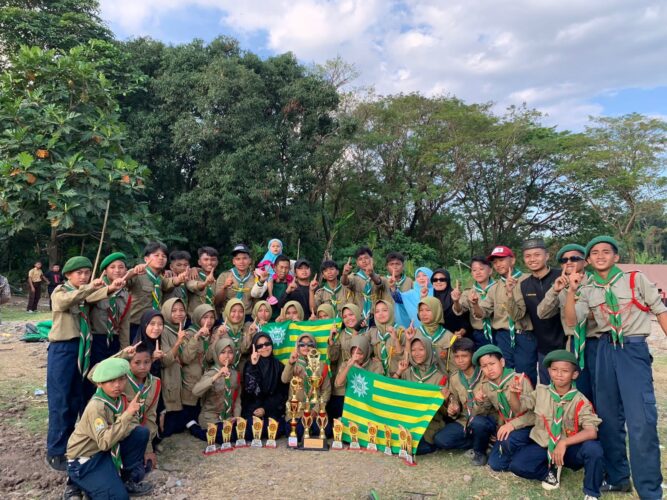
[(184, 473)]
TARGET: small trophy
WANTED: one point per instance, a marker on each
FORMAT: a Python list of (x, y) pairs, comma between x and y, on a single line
[(403, 440), (411, 459), (387, 441), (372, 437), (272, 431), (240, 432), (211, 447), (322, 419), (257, 426), (294, 407), (226, 436), (315, 379), (354, 436), (338, 428)]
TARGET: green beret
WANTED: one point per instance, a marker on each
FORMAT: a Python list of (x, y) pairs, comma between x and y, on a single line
[(75, 263), (483, 351), (560, 355), (110, 369), (601, 239), (113, 258), (570, 247)]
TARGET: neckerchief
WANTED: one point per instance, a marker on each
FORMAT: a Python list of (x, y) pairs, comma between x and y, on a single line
[(416, 372), (117, 407), (183, 295), (437, 335), (486, 322), (469, 385), (227, 398), (557, 422), (384, 352), (236, 338), (579, 337), (112, 318), (400, 282), (368, 288), (209, 288), (85, 336), (334, 295), (510, 321), (505, 408), (241, 282), (613, 307), (143, 390), (156, 294)]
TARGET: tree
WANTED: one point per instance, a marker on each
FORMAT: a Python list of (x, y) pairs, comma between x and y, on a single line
[(62, 154)]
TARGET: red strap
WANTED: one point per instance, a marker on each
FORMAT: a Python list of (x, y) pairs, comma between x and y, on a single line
[(123, 397), (158, 388), (325, 372), (127, 309), (443, 380), (639, 305)]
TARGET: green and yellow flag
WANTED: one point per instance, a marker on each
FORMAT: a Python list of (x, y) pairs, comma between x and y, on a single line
[(370, 397), (284, 336)]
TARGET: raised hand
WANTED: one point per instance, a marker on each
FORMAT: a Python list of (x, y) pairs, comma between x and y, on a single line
[(347, 267), (210, 278), (291, 287), (456, 294), (294, 356), (561, 282), (134, 406), (229, 282), (576, 280), (410, 332), (473, 297), (254, 356), (116, 285), (131, 349), (510, 282), (182, 334), (314, 283), (97, 283), (516, 384)]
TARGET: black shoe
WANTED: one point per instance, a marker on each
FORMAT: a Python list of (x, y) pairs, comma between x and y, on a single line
[(138, 489), (479, 459), (605, 487), (552, 481), (57, 462), (72, 492)]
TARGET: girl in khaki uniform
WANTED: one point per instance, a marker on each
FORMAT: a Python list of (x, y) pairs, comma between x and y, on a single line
[(233, 328), (386, 337), (431, 318)]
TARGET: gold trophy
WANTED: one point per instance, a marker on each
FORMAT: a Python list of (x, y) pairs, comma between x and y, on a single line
[(272, 430), (338, 428), (210, 440), (354, 436), (315, 379), (240, 432), (257, 426), (322, 420), (226, 435), (306, 421), (403, 440), (372, 437), (294, 407), (387, 440)]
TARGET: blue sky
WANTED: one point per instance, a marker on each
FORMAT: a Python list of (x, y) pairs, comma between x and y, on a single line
[(567, 58)]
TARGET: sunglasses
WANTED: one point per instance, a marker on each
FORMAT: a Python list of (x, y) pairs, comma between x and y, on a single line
[(439, 280), (574, 258), (306, 344), (263, 345)]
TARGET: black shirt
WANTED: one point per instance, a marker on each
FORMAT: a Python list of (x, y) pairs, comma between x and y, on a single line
[(55, 279), (548, 332)]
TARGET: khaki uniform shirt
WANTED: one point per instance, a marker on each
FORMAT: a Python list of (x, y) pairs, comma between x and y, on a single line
[(35, 275), (171, 371), (460, 395), (342, 297), (392, 347), (554, 302), (192, 361), (378, 292), (339, 354), (212, 395), (141, 288), (65, 306), (197, 297), (500, 307), (526, 417), (149, 418), (466, 307), (99, 311), (230, 293)]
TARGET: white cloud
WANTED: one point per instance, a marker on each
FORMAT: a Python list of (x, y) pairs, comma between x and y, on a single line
[(556, 55)]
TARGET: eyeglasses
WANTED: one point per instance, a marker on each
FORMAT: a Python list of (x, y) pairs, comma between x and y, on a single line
[(574, 258), (263, 345), (306, 344), (439, 280)]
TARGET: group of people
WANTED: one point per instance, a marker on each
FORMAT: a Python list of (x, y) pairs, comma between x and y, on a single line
[(143, 352), (36, 279)]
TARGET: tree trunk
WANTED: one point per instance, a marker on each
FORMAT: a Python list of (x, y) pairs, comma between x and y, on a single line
[(52, 248)]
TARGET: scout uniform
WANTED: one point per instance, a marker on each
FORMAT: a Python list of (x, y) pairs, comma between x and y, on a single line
[(384, 346), (336, 296), (440, 337), (482, 332), (109, 322), (68, 358), (171, 373), (497, 397), (583, 338), (239, 335), (339, 352), (558, 417), (149, 395), (179, 292), (512, 326), (193, 356), (255, 312), (147, 292), (197, 297), (366, 292), (107, 446), (242, 285), (36, 277), (404, 283), (622, 306)]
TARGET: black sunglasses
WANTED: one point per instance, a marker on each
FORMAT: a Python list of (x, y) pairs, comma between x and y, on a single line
[(439, 280), (574, 258), (263, 345), (306, 344)]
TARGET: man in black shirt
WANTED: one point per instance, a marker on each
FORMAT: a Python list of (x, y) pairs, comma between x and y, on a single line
[(55, 278), (548, 332)]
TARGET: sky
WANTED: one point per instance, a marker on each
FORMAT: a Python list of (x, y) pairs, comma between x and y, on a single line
[(570, 59)]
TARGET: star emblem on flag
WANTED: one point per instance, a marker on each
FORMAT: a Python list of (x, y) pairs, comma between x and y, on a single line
[(359, 385), (277, 335)]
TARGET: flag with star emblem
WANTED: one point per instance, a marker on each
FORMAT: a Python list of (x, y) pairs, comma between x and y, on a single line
[(284, 336)]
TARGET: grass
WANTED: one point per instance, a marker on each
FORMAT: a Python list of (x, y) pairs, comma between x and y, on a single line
[(18, 313), (35, 417)]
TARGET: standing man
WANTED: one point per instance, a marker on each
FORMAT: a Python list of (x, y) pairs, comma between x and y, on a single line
[(548, 331), (54, 278), (35, 279)]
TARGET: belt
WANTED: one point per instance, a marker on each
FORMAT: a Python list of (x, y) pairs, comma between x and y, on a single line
[(632, 339), (81, 460)]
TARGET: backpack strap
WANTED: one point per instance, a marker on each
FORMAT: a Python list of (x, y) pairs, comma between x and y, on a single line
[(639, 305)]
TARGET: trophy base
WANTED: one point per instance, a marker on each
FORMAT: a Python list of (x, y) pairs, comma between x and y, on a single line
[(256, 443), (240, 443), (372, 447), (226, 447), (271, 443), (354, 445), (407, 458), (211, 449), (388, 452), (292, 442), (336, 445), (315, 444)]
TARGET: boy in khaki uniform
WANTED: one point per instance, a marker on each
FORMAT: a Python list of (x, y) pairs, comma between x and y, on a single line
[(482, 331), (332, 290), (179, 262), (565, 431), (69, 351), (237, 282), (105, 453), (508, 393), (202, 290)]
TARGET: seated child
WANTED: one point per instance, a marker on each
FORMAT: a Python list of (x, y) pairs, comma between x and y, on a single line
[(421, 366), (219, 391), (510, 394), (473, 426), (565, 432), (360, 356), (105, 453), (431, 318), (386, 337), (298, 367)]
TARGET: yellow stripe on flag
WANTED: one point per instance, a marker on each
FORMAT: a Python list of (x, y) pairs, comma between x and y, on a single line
[(408, 405), (390, 415), (425, 393)]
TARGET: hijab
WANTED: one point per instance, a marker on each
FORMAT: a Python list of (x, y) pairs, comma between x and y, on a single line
[(199, 313), (436, 308), (364, 344), (355, 310), (235, 327), (166, 313), (444, 296), (258, 304), (422, 372), (407, 311), (297, 305), (147, 341), (382, 327), (327, 308), (270, 256), (269, 369), (220, 346)]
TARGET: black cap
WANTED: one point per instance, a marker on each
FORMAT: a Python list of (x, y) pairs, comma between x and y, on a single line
[(533, 243), (240, 248), (301, 262)]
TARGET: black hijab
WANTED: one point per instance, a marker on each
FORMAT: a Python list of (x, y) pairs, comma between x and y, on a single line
[(444, 296), (147, 341), (264, 378)]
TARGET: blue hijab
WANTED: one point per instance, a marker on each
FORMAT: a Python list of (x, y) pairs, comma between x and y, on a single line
[(406, 311), (270, 256)]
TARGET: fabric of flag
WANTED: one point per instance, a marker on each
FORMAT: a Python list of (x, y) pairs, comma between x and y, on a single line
[(285, 335), (370, 397)]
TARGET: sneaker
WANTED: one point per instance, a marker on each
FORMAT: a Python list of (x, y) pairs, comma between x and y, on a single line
[(57, 462), (72, 492), (479, 459), (470, 453), (138, 489), (590, 497), (605, 487), (552, 481)]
